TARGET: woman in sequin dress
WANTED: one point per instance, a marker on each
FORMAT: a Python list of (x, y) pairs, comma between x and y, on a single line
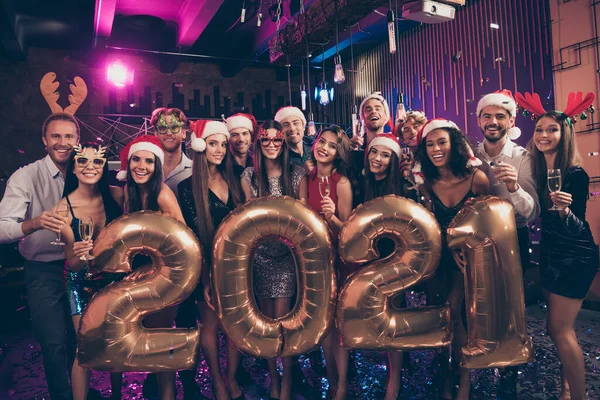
[(328, 191), (86, 194), (569, 256), (274, 268), (206, 198), (448, 166)]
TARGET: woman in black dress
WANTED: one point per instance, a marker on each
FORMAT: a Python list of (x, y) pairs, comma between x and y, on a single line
[(450, 176), (569, 256), (206, 198)]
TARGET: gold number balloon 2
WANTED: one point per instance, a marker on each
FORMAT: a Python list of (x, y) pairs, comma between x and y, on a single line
[(111, 336), (365, 317), (235, 241), (485, 232)]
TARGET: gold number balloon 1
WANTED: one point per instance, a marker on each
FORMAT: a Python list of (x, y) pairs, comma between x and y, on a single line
[(485, 233), (309, 239), (111, 336), (365, 317)]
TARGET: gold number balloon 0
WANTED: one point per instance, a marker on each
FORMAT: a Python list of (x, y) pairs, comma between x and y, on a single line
[(485, 232), (308, 235), (111, 336), (365, 317)]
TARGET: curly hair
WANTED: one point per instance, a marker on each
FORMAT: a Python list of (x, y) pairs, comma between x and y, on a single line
[(459, 156)]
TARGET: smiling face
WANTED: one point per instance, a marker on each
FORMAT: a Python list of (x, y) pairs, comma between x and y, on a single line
[(240, 140), (547, 135), (59, 139), (379, 160), (88, 166), (438, 147), (494, 122), (410, 130), (374, 115), (293, 128), (216, 148), (141, 166), (170, 133), (271, 142), (325, 149)]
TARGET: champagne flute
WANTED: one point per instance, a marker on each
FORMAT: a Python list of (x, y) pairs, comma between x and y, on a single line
[(61, 212), (554, 184), (86, 230), (324, 187), (494, 166)]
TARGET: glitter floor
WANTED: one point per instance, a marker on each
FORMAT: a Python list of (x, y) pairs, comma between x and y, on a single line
[(537, 380)]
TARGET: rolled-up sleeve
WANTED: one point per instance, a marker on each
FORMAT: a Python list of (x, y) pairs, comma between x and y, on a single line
[(525, 199), (13, 207)]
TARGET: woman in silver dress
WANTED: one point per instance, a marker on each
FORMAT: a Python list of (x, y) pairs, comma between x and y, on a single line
[(274, 268)]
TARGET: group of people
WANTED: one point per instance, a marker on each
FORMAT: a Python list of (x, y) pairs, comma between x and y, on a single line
[(429, 161)]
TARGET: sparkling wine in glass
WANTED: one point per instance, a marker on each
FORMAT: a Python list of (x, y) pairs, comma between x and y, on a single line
[(324, 187), (554, 183), (62, 212), (86, 230), (494, 166)]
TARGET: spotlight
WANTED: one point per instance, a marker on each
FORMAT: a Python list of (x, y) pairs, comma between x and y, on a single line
[(119, 75)]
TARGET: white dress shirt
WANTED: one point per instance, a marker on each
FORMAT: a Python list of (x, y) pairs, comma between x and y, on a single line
[(525, 199), (31, 190), (181, 172)]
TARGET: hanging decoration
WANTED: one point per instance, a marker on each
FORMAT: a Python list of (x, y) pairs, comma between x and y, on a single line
[(338, 76)]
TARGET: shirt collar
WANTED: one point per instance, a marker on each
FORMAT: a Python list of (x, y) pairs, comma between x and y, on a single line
[(185, 161), (507, 150), (54, 171)]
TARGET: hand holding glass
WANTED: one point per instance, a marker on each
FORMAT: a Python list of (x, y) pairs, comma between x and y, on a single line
[(494, 166), (86, 230), (61, 212), (554, 184)]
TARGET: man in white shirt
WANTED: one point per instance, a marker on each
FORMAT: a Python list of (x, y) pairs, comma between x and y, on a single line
[(512, 179), (170, 129), (25, 216)]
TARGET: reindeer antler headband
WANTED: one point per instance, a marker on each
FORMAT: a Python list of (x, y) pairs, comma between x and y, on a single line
[(48, 86), (576, 104)]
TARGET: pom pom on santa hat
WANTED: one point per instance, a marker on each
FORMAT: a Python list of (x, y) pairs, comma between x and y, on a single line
[(145, 142), (241, 120), (202, 129), (503, 99)]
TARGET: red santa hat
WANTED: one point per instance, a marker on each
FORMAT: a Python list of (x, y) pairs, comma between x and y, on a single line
[(241, 120), (504, 99), (386, 139), (145, 142), (202, 129), (440, 123), (289, 111)]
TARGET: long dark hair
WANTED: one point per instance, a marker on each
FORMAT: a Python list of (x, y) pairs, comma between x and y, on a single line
[(459, 156), (154, 185), (567, 155), (260, 179), (343, 158), (200, 175), (393, 183), (111, 207)]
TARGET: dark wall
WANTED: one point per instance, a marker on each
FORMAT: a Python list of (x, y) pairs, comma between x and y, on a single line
[(444, 69), (198, 88)]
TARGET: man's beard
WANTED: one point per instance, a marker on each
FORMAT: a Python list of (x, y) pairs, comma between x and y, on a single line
[(495, 139)]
